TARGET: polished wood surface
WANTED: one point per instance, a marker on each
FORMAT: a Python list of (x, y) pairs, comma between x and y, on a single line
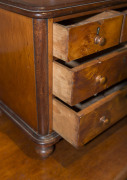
[(26, 77), (43, 88), (50, 70), (86, 120), (49, 8), (92, 11), (48, 4), (17, 76), (105, 158), (77, 38), (124, 30), (78, 80), (36, 37)]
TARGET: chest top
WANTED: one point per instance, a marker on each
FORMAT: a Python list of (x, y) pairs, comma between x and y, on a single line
[(56, 8)]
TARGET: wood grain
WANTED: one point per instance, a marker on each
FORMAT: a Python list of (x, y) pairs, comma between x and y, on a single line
[(50, 69), (76, 40), (124, 28), (63, 79), (50, 9), (17, 76), (48, 5), (105, 157), (90, 12), (79, 127), (43, 66), (77, 81)]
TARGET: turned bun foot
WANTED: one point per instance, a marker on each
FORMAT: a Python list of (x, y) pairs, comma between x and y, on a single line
[(44, 151)]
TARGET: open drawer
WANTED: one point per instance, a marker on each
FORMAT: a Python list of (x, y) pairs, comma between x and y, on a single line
[(81, 123), (75, 38), (78, 80)]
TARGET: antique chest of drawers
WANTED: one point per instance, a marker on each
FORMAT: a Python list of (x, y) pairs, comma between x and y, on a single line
[(63, 68)]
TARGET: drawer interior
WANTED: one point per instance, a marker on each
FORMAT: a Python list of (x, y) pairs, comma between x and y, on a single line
[(86, 103), (76, 81), (79, 37), (90, 58), (84, 121), (81, 123), (88, 19), (74, 41)]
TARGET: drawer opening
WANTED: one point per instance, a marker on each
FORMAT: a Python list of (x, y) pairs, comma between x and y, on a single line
[(77, 80), (75, 20), (78, 37), (95, 56), (86, 103), (121, 9), (83, 122), (88, 18)]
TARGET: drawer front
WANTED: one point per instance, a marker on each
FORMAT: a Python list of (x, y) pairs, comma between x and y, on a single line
[(74, 85), (80, 126), (74, 41), (124, 29)]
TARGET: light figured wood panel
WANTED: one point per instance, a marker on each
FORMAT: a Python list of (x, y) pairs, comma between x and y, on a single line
[(17, 76), (75, 38), (82, 123), (75, 81)]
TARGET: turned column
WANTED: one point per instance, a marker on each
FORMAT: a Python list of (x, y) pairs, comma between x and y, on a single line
[(42, 29)]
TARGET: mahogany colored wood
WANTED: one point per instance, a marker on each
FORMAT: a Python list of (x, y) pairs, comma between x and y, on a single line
[(90, 12), (41, 70), (44, 141), (44, 151), (86, 120), (50, 70), (124, 29), (80, 37), (105, 157), (50, 9), (17, 76), (78, 80), (43, 82), (26, 76), (36, 41)]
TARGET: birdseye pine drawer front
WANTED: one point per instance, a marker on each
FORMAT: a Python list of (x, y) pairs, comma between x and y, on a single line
[(76, 81), (124, 29), (82, 123), (76, 38)]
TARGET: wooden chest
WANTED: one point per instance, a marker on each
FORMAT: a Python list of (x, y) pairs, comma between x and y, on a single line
[(63, 68)]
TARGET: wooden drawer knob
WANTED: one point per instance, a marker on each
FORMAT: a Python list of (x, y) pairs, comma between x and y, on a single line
[(101, 79), (104, 120), (100, 40)]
